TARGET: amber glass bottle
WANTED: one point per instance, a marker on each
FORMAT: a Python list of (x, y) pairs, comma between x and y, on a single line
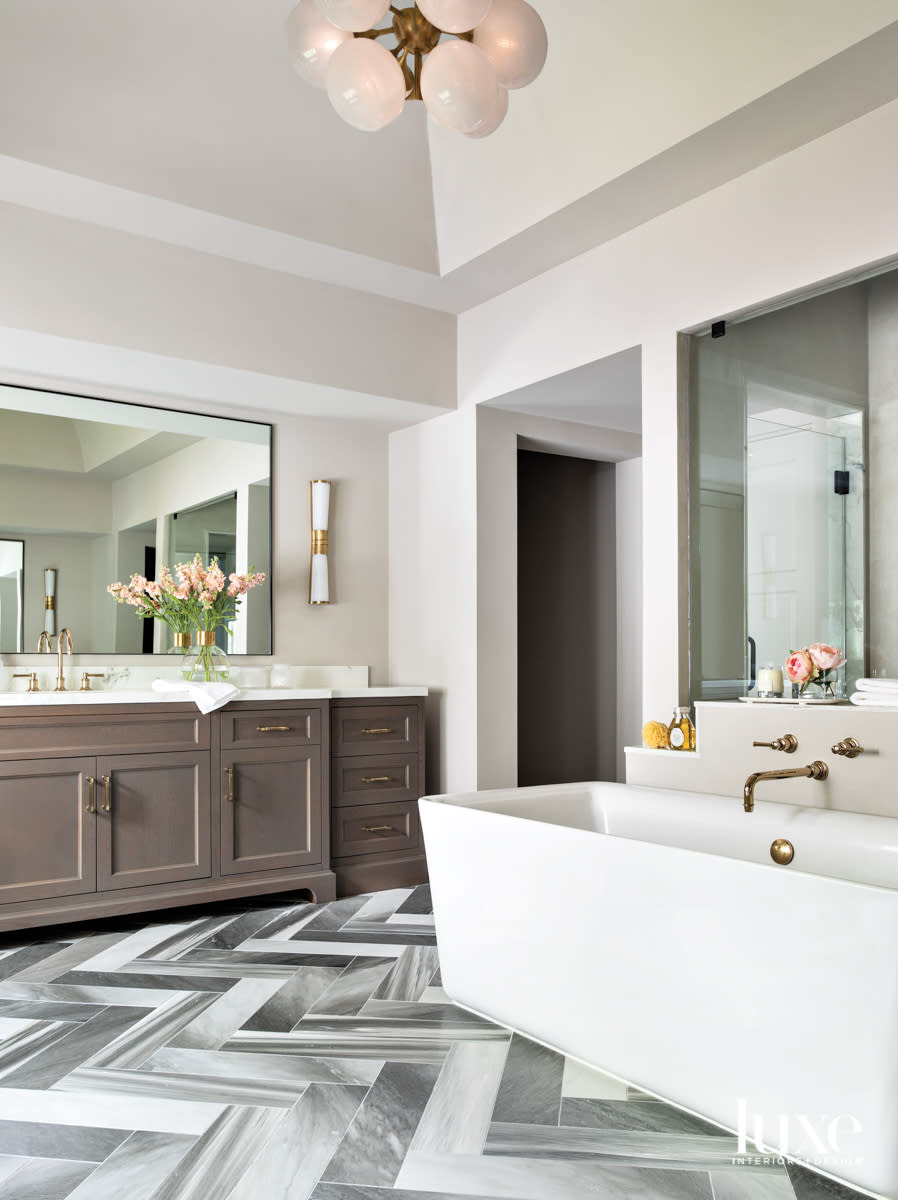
[(681, 730)]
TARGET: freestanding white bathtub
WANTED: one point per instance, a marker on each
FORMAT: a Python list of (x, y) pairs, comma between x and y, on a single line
[(650, 934)]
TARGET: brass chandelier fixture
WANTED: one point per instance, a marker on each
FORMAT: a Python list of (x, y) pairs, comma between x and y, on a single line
[(463, 78)]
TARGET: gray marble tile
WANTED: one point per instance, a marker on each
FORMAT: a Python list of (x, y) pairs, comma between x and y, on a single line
[(189, 971), (192, 934), (216, 1023), (33, 1039), (79, 1044), (411, 975), (347, 995), (217, 1090), (77, 1142), (71, 1108), (417, 930), (285, 926), (457, 1117), (414, 1050), (650, 1115), (530, 1092), (542, 1179), (686, 1151), (269, 1067), (159, 980), (381, 936), (436, 1012), (134, 1047), (52, 1011), (373, 1150), (71, 955), (291, 953), (743, 1184), (808, 1185), (420, 901), (9, 1164), (46, 1179), (126, 947), (293, 1000), (349, 1191), (446, 1027), (28, 956), (295, 1156), (216, 1162), (72, 994), (246, 926), (332, 917), (380, 906), (136, 1169)]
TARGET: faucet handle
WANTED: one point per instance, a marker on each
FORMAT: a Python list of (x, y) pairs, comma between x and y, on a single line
[(87, 676), (31, 676), (848, 748), (788, 743)]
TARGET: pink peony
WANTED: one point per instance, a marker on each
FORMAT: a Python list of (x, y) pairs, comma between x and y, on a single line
[(799, 667), (825, 658)]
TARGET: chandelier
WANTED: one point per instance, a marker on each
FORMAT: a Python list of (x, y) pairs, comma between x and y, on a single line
[(463, 79)]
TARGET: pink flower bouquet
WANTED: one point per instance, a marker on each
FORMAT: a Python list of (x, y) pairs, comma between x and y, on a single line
[(814, 664)]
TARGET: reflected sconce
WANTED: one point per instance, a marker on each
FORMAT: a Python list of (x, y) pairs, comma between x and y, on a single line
[(50, 600), (318, 583)]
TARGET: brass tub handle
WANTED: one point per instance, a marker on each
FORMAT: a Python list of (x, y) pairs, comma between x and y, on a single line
[(107, 792), (376, 779), (378, 829), (788, 743), (91, 794), (229, 771), (274, 729), (377, 731)]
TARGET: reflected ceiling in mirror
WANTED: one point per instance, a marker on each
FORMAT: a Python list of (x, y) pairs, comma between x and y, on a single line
[(101, 489)]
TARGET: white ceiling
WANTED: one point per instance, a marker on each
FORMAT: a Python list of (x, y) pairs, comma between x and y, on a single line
[(182, 121)]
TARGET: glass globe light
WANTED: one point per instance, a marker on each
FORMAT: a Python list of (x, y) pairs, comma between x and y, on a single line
[(492, 123), (354, 15), (365, 84), (459, 87), (514, 39), (311, 40), (454, 16)]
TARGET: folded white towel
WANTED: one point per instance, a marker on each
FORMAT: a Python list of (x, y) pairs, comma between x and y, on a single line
[(875, 700), (877, 685), (206, 696)]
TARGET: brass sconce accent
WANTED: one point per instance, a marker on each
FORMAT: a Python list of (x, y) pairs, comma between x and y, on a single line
[(50, 600), (320, 494)]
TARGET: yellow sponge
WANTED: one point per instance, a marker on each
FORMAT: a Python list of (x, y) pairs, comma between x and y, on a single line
[(655, 735)]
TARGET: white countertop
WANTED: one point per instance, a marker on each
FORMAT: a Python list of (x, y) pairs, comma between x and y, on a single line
[(146, 696)]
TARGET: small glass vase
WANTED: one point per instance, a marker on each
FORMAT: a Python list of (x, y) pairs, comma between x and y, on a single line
[(180, 645), (207, 662)]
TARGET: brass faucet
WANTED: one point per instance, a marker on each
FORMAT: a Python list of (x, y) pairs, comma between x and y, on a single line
[(45, 637), (60, 677), (816, 770)]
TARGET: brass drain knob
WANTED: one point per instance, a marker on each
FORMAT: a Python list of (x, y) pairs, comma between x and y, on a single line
[(781, 851)]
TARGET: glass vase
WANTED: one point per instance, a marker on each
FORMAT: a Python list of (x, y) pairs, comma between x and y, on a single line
[(180, 645), (207, 662)]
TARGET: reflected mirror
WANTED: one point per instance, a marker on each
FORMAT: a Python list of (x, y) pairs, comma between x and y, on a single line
[(793, 445), (99, 490)]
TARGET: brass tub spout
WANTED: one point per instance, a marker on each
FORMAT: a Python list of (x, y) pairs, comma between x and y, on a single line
[(816, 770)]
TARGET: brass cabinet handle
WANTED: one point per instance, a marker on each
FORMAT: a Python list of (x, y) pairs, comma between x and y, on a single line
[(848, 748), (107, 791), (274, 729), (377, 731), (376, 779), (91, 794), (378, 829), (229, 771), (788, 742)]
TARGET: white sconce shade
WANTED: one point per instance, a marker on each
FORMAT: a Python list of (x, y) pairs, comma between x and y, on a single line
[(365, 84), (514, 39), (50, 600), (311, 40), (354, 15), (454, 16), (319, 590), (459, 87)]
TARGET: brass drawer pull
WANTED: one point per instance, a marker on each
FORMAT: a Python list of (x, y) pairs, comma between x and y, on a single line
[(107, 790), (376, 779), (378, 829), (91, 794), (377, 731), (274, 729), (229, 771)]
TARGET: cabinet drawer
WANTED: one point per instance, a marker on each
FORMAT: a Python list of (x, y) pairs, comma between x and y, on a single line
[(51, 734), (271, 727), (375, 829), (374, 779), (375, 729)]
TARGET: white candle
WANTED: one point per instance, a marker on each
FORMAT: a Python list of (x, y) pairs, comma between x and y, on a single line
[(770, 679)]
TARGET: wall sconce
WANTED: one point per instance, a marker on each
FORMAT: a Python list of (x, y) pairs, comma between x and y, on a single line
[(318, 583), (50, 600)]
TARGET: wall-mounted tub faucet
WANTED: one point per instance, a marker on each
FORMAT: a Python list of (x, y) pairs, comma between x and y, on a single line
[(816, 770)]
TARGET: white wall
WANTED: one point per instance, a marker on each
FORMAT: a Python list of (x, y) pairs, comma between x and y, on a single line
[(823, 211), (883, 468)]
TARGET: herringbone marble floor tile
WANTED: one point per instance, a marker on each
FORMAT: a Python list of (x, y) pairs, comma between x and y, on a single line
[(295, 1052)]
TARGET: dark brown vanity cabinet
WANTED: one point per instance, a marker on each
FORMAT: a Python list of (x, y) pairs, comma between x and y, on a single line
[(377, 775)]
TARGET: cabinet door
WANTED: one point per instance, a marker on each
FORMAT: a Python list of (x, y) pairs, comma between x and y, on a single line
[(48, 841), (153, 819), (271, 809)]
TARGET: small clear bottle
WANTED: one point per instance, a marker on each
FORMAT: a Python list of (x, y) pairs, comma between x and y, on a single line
[(681, 730)]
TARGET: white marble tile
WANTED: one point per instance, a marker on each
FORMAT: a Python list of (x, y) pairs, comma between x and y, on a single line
[(70, 956), (79, 994), (382, 905), (744, 1184), (347, 949), (58, 1107), (122, 951), (218, 1022), (10, 1026), (588, 1083), (457, 1117), (136, 1169)]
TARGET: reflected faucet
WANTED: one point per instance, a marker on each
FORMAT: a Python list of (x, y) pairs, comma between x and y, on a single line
[(816, 770), (60, 677), (44, 638)]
